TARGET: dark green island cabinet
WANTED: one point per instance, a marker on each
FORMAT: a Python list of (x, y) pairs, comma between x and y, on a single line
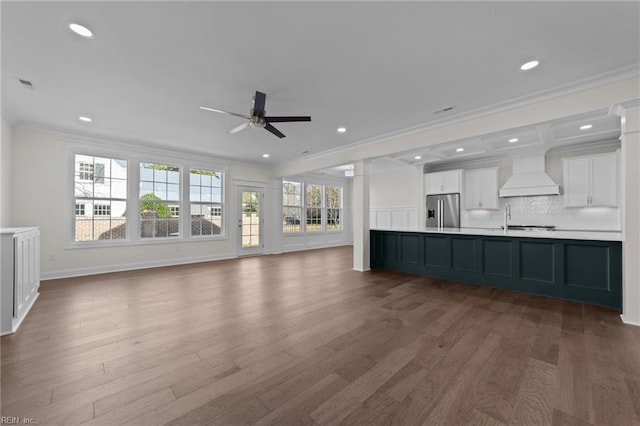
[(587, 271)]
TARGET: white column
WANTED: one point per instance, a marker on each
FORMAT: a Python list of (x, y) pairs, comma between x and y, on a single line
[(630, 159), (360, 201), (276, 223)]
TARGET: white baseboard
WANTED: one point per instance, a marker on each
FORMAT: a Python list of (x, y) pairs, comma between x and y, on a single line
[(301, 247), (624, 320), (78, 272), (17, 325)]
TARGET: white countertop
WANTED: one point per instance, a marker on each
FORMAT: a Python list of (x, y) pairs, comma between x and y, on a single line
[(17, 230), (563, 235)]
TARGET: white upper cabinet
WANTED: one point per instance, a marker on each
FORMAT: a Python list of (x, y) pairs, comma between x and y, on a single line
[(481, 188), (442, 182), (591, 181)]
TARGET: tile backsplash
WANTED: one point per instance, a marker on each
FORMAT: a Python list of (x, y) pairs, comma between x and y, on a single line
[(545, 210)]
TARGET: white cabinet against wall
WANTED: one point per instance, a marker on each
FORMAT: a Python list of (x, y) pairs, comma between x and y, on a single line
[(20, 274), (442, 182), (481, 188), (591, 181)]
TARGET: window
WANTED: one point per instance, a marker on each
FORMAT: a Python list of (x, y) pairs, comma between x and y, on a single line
[(175, 211), (91, 171), (102, 210), (159, 187), (85, 171), (334, 207), (323, 207), (100, 183), (291, 206), (314, 207), (205, 198)]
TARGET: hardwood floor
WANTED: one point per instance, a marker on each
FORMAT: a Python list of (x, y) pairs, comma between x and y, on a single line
[(301, 338)]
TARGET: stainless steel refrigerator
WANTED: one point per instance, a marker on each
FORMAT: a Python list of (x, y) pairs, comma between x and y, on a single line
[(443, 211)]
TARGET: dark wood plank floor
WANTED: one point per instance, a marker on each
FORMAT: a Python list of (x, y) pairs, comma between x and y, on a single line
[(301, 338)]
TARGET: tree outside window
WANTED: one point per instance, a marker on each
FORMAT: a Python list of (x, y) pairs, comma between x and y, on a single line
[(159, 187), (314, 208), (334, 207), (291, 206)]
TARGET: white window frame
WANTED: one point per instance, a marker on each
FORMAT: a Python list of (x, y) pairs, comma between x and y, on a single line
[(321, 208), (223, 214), (341, 209), (301, 207), (90, 203), (305, 181), (181, 235), (109, 149)]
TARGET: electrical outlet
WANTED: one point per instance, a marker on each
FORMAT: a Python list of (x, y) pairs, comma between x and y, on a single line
[(177, 248)]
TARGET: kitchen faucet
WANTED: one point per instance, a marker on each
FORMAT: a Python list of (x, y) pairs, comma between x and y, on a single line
[(507, 216)]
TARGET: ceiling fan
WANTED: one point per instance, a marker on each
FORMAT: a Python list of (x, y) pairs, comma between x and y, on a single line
[(258, 117)]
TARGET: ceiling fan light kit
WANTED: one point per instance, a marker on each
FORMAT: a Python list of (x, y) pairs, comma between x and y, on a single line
[(258, 117)]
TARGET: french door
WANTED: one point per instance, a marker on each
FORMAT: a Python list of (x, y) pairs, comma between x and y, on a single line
[(251, 221)]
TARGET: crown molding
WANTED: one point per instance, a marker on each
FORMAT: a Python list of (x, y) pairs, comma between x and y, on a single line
[(542, 95)]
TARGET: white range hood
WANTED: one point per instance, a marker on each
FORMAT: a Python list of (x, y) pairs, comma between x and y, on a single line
[(529, 177)]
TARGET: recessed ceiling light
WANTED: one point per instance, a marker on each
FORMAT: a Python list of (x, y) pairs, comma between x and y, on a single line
[(81, 30), (85, 119), (265, 155), (513, 140), (349, 173), (529, 65), (342, 129), (418, 157), (459, 149), (586, 126)]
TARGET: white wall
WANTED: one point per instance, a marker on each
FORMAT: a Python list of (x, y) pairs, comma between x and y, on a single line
[(6, 154), (41, 199), (395, 198)]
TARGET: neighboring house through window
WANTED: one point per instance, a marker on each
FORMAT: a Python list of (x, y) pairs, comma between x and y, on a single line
[(155, 206), (101, 210), (91, 171), (159, 187), (100, 198), (205, 199)]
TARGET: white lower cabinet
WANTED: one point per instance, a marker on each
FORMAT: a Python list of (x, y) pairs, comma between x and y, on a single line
[(481, 189), (20, 275)]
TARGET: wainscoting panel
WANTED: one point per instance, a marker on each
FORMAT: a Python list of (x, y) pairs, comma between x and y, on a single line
[(393, 218)]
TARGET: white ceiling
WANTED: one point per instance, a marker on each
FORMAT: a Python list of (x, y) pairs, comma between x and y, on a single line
[(374, 67)]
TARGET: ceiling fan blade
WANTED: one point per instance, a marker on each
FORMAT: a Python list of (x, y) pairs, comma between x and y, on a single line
[(225, 112), (238, 128), (286, 119), (258, 103), (273, 130)]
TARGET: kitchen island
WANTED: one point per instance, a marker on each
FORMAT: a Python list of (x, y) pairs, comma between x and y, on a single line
[(584, 266)]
